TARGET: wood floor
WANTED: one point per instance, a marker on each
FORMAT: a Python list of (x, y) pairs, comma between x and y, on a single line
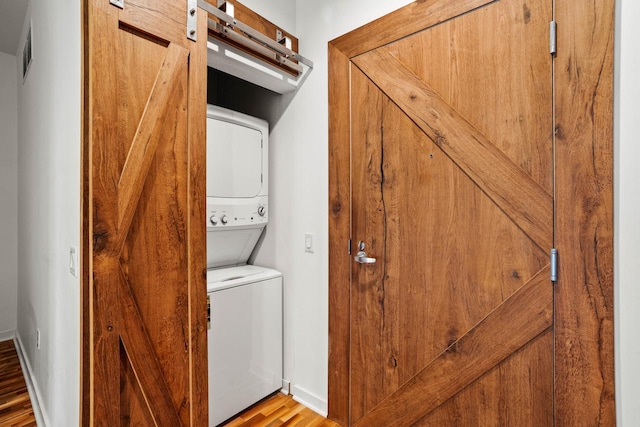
[(279, 410), (15, 406), (16, 410)]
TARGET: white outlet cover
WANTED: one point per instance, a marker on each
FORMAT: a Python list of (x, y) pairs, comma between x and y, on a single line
[(73, 261)]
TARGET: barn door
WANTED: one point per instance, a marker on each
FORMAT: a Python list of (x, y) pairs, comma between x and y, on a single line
[(144, 161), (451, 298)]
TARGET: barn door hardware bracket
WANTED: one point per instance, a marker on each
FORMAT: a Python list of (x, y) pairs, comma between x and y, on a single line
[(118, 3), (553, 265), (253, 38), (192, 14), (552, 37), (208, 311)]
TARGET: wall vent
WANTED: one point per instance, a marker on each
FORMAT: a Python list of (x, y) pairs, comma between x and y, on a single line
[(27, 55)]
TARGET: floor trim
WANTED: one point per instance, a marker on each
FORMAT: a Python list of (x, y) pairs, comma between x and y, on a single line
[(7, 335), (42, 420), (309, 400)]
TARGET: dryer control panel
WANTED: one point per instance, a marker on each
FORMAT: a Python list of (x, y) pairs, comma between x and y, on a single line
[(225, 216)]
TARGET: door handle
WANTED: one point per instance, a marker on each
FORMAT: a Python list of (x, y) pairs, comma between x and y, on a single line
[(361, 257)]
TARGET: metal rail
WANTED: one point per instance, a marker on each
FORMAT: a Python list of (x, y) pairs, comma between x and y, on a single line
[(255, 40)]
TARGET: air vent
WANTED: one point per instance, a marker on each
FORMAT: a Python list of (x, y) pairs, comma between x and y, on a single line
[(27, 55)]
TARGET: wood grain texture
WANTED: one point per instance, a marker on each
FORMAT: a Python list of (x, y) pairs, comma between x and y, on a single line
[(463, 61), (584, 214), (196, 228), (508, 395), (521, 318), (145, 174), (403, 22), (339, 235), (104, 355), (15, 405), (141, 356), (143, 147), (505, 182), (85, 228), (446, 256)]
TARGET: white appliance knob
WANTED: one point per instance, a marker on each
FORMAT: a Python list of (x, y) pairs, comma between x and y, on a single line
[(261, 210), (214, 220), (224, 219)]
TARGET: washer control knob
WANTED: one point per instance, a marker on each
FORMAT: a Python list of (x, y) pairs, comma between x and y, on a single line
[(261, 210), (224, 219), (214, 220)]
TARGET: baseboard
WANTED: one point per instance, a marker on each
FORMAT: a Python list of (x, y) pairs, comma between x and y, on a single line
[(309, 400), (7, 335), (42, 420)]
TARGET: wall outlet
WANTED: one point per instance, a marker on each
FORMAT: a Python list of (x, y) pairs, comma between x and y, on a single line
[(38, 339), (73, 261)]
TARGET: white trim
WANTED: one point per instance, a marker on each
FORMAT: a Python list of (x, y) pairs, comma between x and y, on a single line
[(7, 335), (42, 420), (310, 400)]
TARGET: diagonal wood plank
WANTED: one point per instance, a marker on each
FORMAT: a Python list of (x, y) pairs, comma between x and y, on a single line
[(408, 20), (527, 204), (145, 142), (521, 318), (144, 361)]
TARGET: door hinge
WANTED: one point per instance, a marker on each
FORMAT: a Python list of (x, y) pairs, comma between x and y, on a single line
[(553, 265), (192, 22), (552, 38), (208, 311), (349, 246), (119, 3)]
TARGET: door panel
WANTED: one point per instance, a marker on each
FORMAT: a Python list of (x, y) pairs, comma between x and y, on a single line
[(474, 77), (511, 394), (146, 201), (459, 220)]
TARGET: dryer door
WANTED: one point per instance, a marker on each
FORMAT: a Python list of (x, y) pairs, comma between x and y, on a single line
[(234, 160)]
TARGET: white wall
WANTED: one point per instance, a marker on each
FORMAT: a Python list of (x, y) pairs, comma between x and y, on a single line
[(627, 212), (49, 207), (8, 195)]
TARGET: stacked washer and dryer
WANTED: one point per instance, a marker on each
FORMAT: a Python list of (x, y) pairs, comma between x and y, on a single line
[(245, 336)]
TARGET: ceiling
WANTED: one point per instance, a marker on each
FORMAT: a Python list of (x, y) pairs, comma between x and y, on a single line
[(12, 14)]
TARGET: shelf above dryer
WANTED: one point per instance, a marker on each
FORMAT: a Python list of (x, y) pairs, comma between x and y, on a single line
[(241, 50)]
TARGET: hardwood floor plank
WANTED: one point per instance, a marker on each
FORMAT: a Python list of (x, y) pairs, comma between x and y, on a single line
[(15, 406), (279, 410)]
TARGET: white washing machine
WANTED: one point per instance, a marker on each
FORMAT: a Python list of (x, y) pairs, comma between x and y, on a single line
[(245, 335), (245, 339)]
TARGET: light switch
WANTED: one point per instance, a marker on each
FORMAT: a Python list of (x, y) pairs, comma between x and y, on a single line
[(308, 242)]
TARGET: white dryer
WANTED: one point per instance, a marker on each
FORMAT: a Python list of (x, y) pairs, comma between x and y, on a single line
[(245, 337)]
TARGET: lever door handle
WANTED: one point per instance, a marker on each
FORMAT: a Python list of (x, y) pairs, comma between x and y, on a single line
[(362, 258)]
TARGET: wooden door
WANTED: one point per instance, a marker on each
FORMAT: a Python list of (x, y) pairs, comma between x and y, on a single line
[(144, 329), (442, 145)]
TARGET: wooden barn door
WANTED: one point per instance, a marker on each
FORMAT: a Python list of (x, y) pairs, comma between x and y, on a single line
[(450, 317), (144, 359)]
